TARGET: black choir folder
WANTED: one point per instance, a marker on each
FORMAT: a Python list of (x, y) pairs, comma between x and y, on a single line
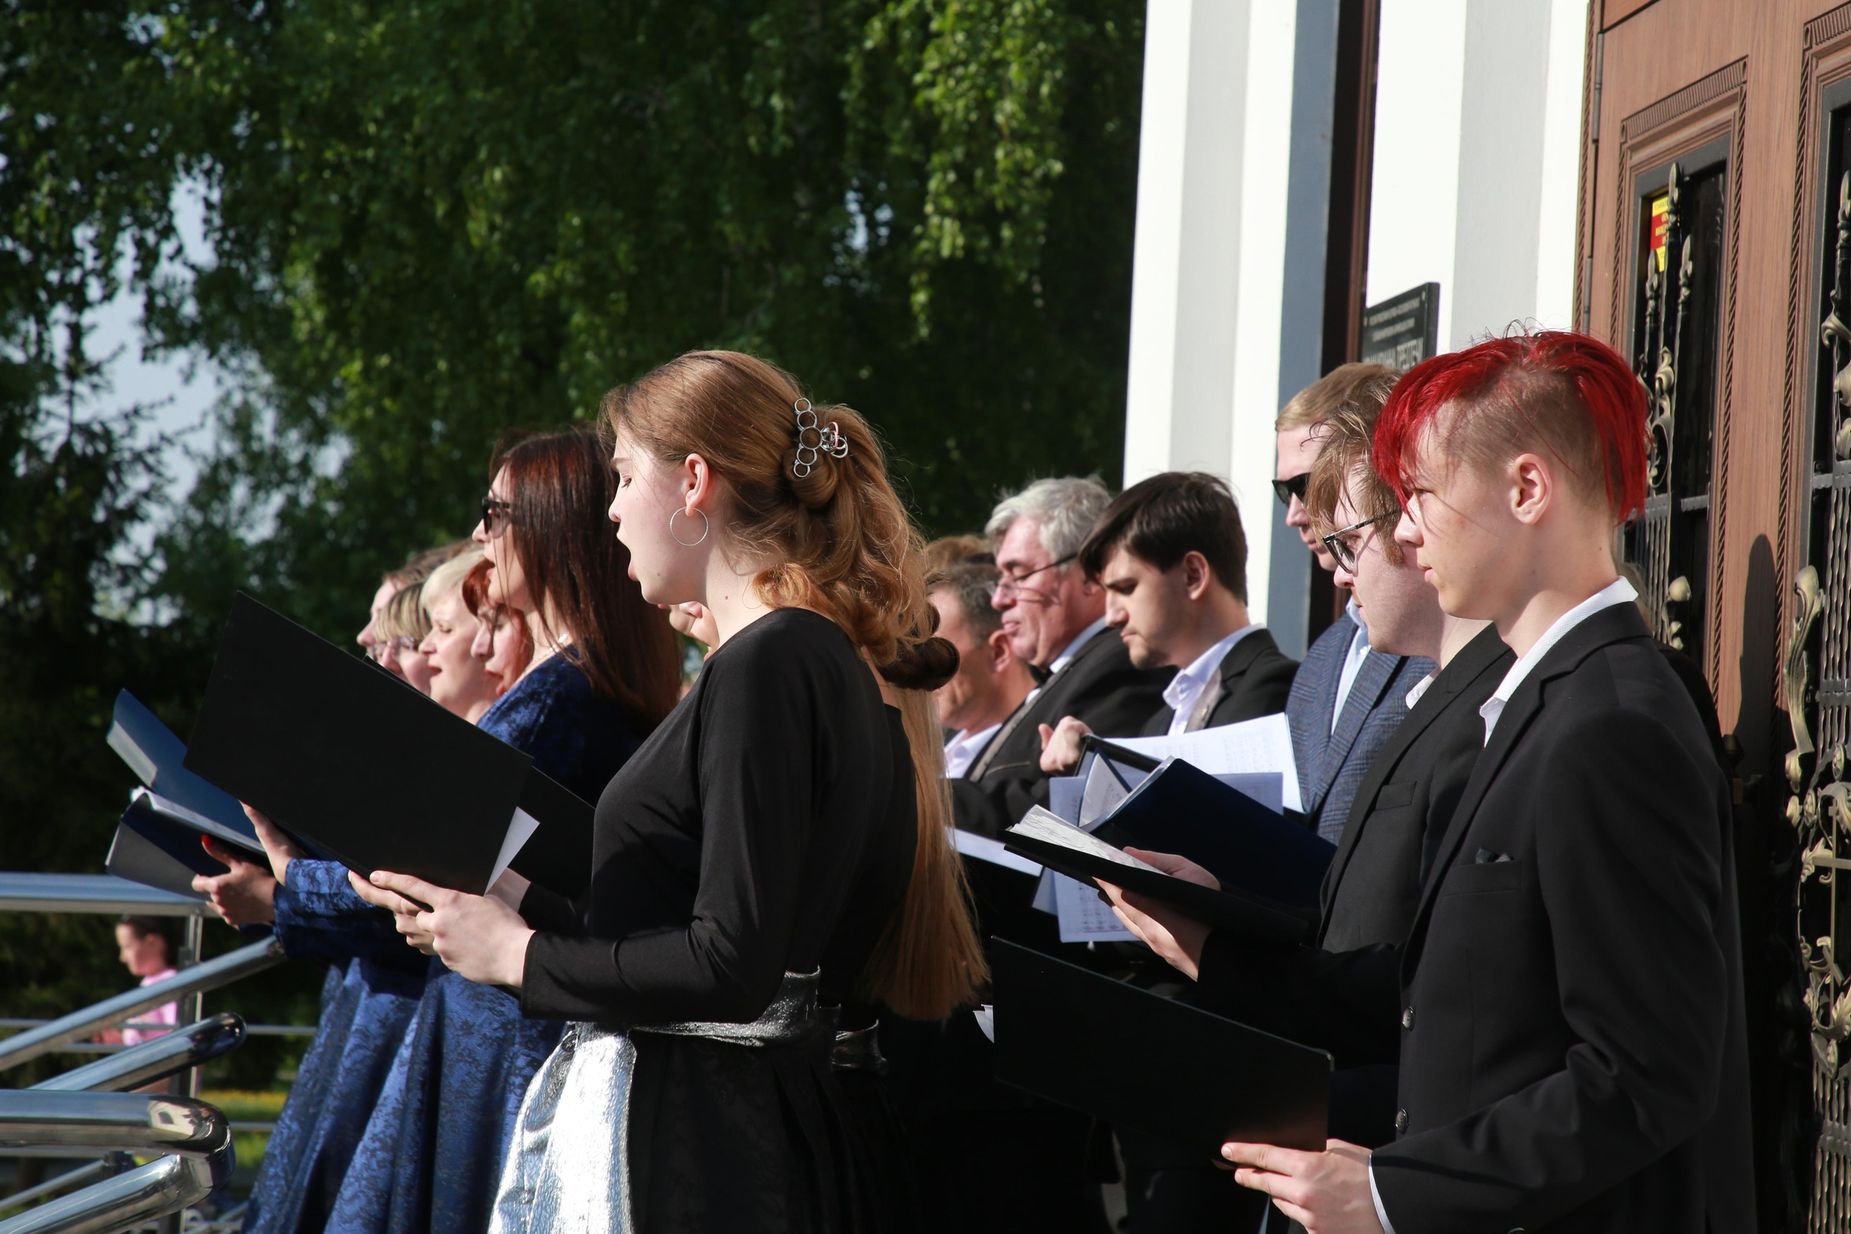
[(157, 839), (370, 771), (1059, 845), (1269, 867), (1179, 808), (1134, 1058)]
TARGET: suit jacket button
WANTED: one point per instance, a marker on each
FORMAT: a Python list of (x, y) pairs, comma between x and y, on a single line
[(1401, 1121), (1407, 1017)]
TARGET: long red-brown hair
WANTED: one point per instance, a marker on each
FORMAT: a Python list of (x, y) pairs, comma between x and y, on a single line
[(842, 544), (560, 485)]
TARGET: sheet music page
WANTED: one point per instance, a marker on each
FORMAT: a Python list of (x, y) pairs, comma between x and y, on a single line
[(194, 819), (119, 740), (1258, 745), (1084, 917), (1065, 794), (1106, 784), (1041, 825)]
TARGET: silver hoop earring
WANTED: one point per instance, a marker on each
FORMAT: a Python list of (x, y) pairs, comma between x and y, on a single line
[(696, 540)]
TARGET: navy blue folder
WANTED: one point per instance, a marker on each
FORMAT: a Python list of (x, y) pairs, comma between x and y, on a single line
[(158, 759), (1135, 1058), (1181, 809)]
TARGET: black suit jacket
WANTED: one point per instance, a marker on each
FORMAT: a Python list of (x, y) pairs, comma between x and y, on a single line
[(1567, 1009), (1256, 678), (1405, 802), (1575, 1052), (1373, 885), (1099, 686)]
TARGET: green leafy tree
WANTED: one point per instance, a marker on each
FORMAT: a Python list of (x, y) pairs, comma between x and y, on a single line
[(86, 175), (433, 223)]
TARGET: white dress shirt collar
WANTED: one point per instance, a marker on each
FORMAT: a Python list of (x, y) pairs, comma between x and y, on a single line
[(1187, 687), (1073, 649), (964, 747), (1352, 662), (1619, 591)]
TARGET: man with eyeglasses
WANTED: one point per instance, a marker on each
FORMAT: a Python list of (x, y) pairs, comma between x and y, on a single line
[(1348, 695), (1054, 616), (1567, 1004), (1172, 557), (1404, 800), (1014, 1162)]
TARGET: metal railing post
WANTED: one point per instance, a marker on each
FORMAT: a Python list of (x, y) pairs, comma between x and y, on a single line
[(222, 970)]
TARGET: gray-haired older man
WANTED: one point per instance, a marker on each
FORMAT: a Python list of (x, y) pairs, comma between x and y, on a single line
[(1055, 619)]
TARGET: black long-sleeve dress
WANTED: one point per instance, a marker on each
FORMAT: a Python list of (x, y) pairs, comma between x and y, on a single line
[(752, 836)]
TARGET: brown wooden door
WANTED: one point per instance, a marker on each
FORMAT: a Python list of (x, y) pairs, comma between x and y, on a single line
[(1714, 245)]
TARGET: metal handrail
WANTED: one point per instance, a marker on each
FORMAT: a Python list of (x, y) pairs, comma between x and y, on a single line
[(106, 1166), (212, 974), (104, 1047), (132, 1122), (153, 1060), (226, 1222), (27, 892), (156, 1190), (194, 1134)]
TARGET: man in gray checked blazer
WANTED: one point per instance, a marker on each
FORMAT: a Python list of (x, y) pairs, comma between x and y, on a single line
[(1346, 698), (1346, 701)]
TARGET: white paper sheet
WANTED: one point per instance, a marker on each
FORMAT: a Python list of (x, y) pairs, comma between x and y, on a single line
[(1083, 916), (1042, 825), (197, 821), (520, 829), (119, 740), (983, 848), (1264, 744), (1044, 894), (1064, 795)]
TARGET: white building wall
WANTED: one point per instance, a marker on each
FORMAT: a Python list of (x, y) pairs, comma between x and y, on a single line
[(1477, 148), (1212, 328)]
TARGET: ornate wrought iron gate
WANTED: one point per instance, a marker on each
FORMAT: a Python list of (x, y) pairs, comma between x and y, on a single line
[(1816, 680)]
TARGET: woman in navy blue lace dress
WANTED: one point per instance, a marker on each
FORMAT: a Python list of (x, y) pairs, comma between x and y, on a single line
[(604, 673), (368, 995)]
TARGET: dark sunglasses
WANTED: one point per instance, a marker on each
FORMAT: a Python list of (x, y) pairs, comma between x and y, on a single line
[(496, 515), (1285, 490)]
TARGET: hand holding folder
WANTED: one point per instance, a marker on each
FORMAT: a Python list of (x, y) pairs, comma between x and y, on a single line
[(1081, 1039), (371, 772), (1059, 845)]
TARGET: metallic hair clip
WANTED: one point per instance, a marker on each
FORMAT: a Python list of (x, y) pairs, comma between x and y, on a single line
[(815, 439)]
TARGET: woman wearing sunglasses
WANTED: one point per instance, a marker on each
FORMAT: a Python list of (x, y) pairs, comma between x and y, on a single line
[(604, 671), (769, 861), (371, 988)]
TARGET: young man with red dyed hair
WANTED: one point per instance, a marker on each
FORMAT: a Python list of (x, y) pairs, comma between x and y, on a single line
[(1569, 1021)]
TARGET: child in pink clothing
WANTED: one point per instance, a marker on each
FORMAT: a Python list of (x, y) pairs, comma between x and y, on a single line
[(147, 951)]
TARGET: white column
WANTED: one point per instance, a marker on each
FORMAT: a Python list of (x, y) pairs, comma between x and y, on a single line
[(1414, 182), (1477, 147), (1227, 284), (1185, 273)]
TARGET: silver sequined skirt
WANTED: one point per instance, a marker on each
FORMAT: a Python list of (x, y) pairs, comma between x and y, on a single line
[(568, 1164)]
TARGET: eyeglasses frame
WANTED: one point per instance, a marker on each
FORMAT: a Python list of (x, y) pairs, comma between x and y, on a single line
[(1345, 556)]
